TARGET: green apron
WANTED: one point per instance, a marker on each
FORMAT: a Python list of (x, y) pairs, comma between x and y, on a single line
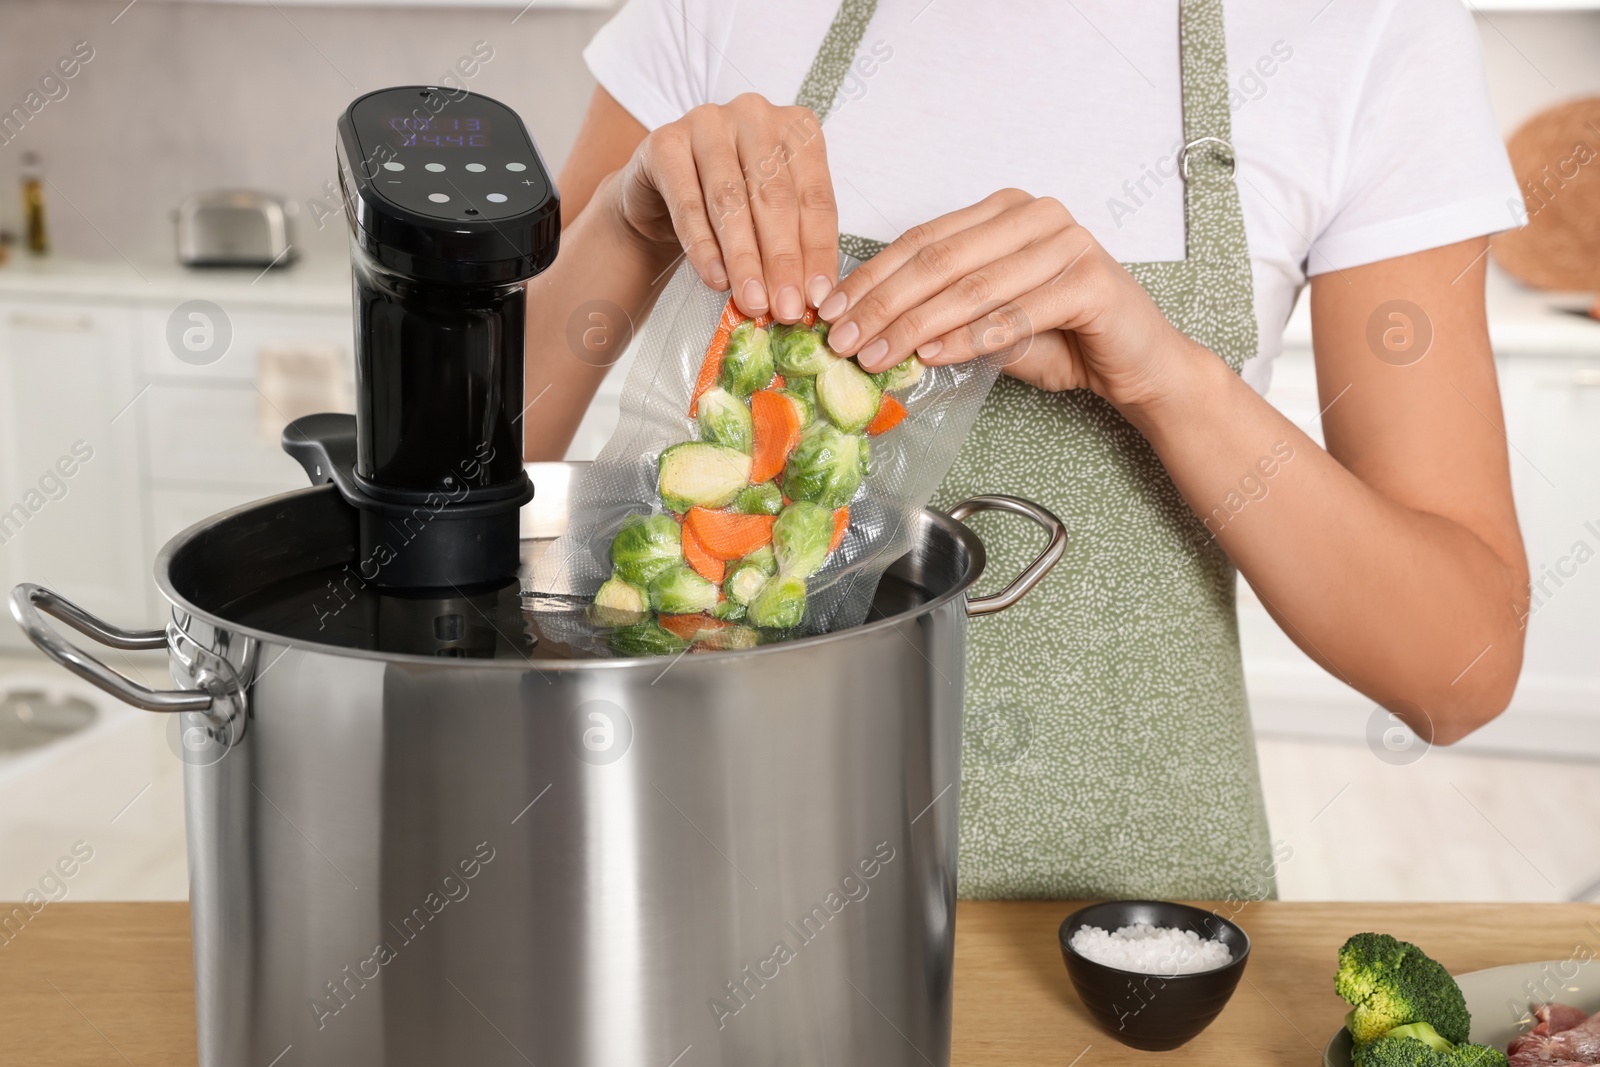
[(1107, 746)]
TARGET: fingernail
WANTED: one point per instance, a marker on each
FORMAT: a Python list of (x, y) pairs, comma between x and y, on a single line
[(832, 307), (755, 296), (789, 305), (717, 274), (870, 355), (842, 337), (818, 289), (931, 349)]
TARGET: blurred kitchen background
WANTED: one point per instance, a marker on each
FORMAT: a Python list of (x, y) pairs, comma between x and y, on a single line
[(172, 98)]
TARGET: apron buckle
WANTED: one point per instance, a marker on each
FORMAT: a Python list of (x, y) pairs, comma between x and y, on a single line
[(1183, 155)]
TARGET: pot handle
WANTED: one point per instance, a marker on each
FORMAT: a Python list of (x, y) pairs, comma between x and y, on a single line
[(30, 603), (1022, 583)]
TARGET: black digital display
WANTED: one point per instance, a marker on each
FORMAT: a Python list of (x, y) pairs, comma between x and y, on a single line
[(439, 131), (481, 215)]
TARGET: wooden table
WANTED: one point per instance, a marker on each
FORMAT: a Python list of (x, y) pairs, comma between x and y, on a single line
[(97, 984)]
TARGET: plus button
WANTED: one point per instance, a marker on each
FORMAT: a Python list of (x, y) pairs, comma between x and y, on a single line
[(527, 181)]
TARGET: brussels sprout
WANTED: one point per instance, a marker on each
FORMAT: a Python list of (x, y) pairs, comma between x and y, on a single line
[(680, 591), (619, 603), (743, 582), (747, 362), (866, 456), (646, 639), (803, 390), (745, 578), (800, 538), (800, 351), (781, 604), (763, 499), (730, 610), (848, 396), (730, 638), (825, 467), (725, 419), (702, 474), (902, 375), (646, 547), (804, 403), (780, 332)]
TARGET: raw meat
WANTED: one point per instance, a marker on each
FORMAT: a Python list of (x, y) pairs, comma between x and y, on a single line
[(1555, 1018), (1563, 1037)]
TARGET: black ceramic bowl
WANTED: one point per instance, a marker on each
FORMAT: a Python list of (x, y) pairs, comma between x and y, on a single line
[(1149, 1011)]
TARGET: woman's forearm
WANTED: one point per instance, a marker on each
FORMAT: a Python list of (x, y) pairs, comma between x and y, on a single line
[(580, 313), (1403, 605)]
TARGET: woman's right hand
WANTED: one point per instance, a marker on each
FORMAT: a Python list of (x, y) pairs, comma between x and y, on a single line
[(744, 189)]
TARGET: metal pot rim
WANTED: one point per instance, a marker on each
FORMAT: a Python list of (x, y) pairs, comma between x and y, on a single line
[(969, 540)]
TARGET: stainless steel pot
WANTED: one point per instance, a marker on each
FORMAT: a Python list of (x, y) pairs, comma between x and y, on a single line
[(722, 859)]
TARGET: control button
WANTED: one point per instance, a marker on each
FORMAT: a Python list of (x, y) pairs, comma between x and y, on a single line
[(394, 166), (439, 198), (516, 166), (435, 167), (476, 168), (495, 198)]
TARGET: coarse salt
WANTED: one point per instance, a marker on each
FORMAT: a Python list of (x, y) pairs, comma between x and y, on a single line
[(1147, 949)]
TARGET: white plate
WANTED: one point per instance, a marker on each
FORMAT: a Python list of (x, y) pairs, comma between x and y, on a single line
[(1499, 1000)]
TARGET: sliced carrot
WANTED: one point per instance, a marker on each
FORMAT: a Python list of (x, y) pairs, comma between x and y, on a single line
[(890, 414), (689, 627), (704, 563), (841, 523), (712, 366), (726, 535), (777, 431), (684, 626), (777, 382)]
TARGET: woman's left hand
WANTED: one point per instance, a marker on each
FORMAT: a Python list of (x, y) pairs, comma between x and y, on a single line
[(1012, 272)]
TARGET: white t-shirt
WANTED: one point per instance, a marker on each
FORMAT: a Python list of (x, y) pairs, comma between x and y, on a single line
[(1362, 128)]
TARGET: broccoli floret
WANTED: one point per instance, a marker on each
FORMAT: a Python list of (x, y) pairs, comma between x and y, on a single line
[(1421, 1032), (1422, 1049), (1363, 961), (1391, 983), (1398, 1052)]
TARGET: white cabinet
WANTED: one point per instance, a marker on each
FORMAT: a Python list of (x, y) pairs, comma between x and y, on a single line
[(217, 425), (217, 434), (70, 509), (212, 429), (163, 440), (1552, 409), (1553, 425)]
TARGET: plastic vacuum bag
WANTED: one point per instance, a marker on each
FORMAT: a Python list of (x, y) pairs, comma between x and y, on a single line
[(904, 466)]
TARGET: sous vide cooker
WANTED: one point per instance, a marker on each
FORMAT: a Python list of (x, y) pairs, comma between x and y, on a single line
[(419, 835), (450, 211)]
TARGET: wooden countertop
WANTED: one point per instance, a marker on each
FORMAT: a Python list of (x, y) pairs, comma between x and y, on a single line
[(96, 984)]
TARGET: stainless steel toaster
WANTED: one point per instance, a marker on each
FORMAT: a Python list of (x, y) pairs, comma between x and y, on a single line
[(235, 228)]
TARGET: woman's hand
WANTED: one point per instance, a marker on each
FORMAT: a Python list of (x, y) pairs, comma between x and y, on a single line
[(1013, 273), (744, 189)]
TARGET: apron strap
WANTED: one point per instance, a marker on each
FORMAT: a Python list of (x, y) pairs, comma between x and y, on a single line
[(832, 62), (1212, 219), (820, 88), (1207, 161)]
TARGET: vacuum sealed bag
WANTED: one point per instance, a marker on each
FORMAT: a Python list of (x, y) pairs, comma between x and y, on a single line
[(756, 488)]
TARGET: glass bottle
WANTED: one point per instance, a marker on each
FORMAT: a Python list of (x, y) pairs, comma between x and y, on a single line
[(38, 237)]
